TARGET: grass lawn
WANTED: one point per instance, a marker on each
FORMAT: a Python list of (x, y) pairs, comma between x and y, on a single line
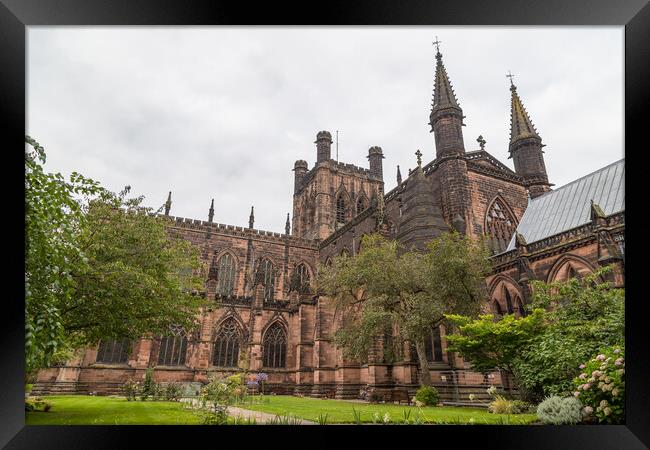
[(91, 410), (340, 411)]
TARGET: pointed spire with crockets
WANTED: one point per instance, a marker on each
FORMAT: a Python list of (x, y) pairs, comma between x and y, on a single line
[(399, 176), (168, 203), (287, 225), (251, 218), (211, 212), (521, 127), (446, 118), (443, 93)]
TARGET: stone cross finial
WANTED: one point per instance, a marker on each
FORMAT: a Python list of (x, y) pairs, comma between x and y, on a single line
[(437, 44), (511, 76), (481, 142), (419, 156)]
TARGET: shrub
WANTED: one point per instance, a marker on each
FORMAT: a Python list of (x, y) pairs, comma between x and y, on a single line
[(173, 391), (600, 387), (37, 404), (427, 395), (560, 411), (148, 385), (501, 405), (130, 389), (520, 407)]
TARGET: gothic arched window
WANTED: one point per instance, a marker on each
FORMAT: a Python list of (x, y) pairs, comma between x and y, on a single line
[(506, 295), (226, 282), (302, 278), (497, 308), (341, 207), (227, 344), (115, 351), (433, 346), (500, 226), (266, 275), (275, 346), (345, 252), (173, 348), (362, 204)]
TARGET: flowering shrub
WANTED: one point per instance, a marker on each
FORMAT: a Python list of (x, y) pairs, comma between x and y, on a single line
[(560, 411), (601, 386), (131, 389), (428, 395)]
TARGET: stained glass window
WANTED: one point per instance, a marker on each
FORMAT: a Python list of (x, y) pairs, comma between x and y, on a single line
[(226, 283), (227, 344), (275, 347), (114, 351)]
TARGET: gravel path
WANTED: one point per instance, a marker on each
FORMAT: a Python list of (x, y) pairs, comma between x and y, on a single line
[(233, 411)]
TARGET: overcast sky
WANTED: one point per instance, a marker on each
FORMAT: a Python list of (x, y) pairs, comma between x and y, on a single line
[(224, 112)]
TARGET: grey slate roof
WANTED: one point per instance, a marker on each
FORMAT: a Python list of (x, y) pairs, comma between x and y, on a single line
[(570, 205)]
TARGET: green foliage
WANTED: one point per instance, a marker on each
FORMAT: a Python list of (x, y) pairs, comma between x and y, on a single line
[(286, 419), (501, 405), (385, 287), (148, 386), (584, 315), (173, 391), (427, 395), (556, 410), (33, 404), (600, 387), (520, 407), (570, 321), (322, 419), (98, 265), (490, 344), (131, 389), (357, 416)]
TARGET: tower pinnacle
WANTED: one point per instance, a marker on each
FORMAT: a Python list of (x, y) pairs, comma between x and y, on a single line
[(168, 203), (251, 219), (211, 212)]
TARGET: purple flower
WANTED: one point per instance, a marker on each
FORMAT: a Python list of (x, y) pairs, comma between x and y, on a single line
[(252, 384), (262, 376)]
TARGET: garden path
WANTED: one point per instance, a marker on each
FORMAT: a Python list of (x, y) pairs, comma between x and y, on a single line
[(233, 411)]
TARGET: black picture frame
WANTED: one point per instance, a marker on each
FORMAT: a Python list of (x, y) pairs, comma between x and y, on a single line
[(15, 15)]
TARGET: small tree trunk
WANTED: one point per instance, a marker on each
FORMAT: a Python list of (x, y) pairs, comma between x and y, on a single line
[(425, 376)]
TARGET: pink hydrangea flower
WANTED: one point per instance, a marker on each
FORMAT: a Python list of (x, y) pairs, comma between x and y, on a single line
[(588, 409), (618, 362), (596, 373), (583, 376), (576, 394), (581, 366), (600, 357), (617, 351)]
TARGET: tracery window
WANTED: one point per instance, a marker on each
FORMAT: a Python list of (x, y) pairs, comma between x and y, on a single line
[(173, 347), (433, 345), (226, 282), (302, 278), (266, 275), (500, 226), (227, 344), (361, 205), (340, 209), (275, 346), (115, 351)]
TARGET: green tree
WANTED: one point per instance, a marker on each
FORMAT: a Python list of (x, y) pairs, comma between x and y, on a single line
[(571, 321), (97, 265), (385, 287), (584, 315), (494, 344)]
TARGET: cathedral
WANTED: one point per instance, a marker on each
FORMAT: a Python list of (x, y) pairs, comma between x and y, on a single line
[(265, 314)]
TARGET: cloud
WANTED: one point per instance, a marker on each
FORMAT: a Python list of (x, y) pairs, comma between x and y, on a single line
[(223, 112)]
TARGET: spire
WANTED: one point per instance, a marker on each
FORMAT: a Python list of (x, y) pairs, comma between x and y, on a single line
[(287, 225), (521, 127), (399, 176), (168, 203), (211, 212), (251, 219), (443, 93)]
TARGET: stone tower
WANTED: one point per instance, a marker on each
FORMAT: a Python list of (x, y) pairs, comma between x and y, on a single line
[(446, 120), (332, 193), (526, 147)]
